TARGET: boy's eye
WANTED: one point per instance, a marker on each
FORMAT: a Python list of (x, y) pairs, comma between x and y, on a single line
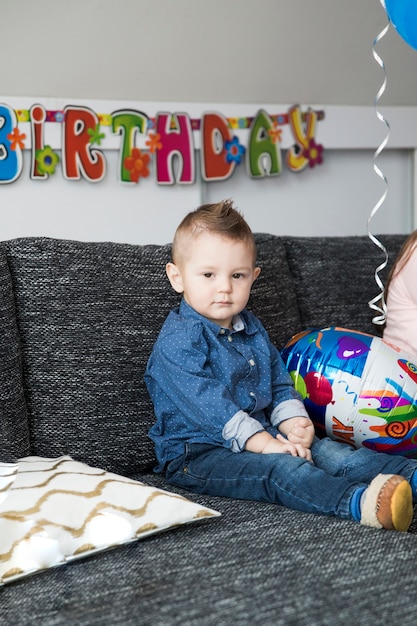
[(208, 274), (237, 275)]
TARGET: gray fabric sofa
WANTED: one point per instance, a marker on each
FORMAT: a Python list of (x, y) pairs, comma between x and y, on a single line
[(78, 322)]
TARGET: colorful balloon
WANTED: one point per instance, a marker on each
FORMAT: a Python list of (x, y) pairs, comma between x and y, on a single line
[(357, 388), (403, 15)]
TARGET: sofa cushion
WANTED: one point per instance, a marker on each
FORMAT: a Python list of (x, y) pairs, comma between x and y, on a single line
[(89, 314), (56, 510), (14, 431), (332, 274), (273, 297)]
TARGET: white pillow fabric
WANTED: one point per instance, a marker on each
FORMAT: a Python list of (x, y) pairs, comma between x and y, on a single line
[(55, 510)]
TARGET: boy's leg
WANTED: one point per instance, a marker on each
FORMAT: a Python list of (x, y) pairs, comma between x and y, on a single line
[(295, 483), (278, 478), (361, 465)]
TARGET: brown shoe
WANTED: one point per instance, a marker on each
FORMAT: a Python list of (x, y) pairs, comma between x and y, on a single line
[(388, 503)]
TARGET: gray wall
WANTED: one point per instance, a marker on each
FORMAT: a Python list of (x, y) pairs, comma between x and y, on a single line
[(234, 54), (253, 51)]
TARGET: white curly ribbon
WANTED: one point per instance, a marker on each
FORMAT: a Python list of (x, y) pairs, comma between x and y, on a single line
[(378, 302)]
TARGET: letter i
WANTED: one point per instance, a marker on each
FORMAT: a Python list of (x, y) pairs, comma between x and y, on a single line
[(37, 120)]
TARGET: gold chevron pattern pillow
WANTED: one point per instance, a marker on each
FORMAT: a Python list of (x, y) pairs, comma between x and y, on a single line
[(55, 510)]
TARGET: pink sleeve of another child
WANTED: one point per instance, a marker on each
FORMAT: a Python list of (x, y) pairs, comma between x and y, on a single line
[(409, 277)]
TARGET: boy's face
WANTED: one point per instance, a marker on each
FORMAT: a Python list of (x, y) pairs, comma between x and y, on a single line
[(215, 276)]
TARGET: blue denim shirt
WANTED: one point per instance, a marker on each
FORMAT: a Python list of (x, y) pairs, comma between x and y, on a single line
[(213, 385)]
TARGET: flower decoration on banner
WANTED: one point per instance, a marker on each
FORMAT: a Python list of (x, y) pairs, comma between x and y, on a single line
[(104, 119), (239, 123), (275, 133), (154, 143), (281, 119), (137, 165), (46, 160), (22, 115), (314, 153), (234, 151), (17, 139), (55, 116), (95, 135)]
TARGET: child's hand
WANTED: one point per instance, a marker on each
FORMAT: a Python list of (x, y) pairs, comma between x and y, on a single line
[(264, 443), (299, 430), (281, 445)]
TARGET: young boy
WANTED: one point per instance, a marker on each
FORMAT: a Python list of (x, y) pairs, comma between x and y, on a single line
[(229, 421)]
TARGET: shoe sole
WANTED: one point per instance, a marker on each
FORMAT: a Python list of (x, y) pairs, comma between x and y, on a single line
[(402, 507)]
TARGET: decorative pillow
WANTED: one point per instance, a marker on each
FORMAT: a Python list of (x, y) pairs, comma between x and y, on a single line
[(56, 510)]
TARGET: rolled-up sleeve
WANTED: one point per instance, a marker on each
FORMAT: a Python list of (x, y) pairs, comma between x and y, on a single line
[(286, 410), (238, 430)]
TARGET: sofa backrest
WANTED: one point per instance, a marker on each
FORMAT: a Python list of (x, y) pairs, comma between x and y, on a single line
[(273, 297), (88, 315), (334, 278)]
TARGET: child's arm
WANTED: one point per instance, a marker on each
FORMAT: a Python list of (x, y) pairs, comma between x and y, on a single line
[(264, 443)]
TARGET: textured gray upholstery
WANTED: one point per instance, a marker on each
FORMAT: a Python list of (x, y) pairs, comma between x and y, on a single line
[(273, 296), (88, 315), (83, 317), (258, 564), (14, 431), (334, 278)]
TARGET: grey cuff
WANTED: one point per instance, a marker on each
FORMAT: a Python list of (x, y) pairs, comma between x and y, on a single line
[(239, 428), (286, 410)]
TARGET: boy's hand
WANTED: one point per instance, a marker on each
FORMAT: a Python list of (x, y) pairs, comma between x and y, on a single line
[(264, 443), (281, 445), (299, 430)]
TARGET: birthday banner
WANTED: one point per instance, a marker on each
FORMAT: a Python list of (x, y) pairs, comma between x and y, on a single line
[(164, 144)]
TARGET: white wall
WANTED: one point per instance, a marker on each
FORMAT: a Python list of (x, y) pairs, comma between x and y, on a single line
[(337, 199), (250, 52), (262, 51), (334, 201)]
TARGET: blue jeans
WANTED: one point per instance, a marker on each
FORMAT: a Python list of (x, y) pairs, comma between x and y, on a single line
[(325, 486)]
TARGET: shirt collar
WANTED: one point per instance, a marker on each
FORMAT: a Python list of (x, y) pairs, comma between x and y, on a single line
[(240, 322)]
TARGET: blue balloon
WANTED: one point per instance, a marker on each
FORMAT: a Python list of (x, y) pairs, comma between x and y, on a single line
[(403, 15)]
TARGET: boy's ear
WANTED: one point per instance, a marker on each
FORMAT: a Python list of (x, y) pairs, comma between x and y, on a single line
[(174, 276), (256, 273)]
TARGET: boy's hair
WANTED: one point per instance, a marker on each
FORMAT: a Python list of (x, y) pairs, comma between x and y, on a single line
[(220, 218)]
